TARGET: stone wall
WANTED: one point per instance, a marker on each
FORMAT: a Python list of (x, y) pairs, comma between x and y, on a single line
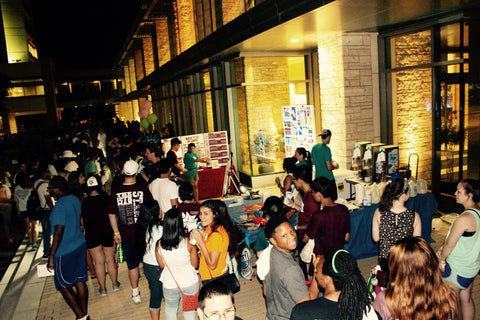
[(349, 91), (163, 43), (139, 70), (186, 24), (411, 101), (232, 9), (148, 55), (131, 74)]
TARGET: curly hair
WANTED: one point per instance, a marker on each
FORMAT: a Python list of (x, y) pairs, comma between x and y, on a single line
[(354, 298), (416, 289), (392, 191)]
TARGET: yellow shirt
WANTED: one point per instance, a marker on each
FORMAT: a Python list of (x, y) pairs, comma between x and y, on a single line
[(217, 241)]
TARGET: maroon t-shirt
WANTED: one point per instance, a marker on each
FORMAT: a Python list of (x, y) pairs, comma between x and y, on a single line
[(125, 203), (190, 212), (328, 228), (95, 218), (309, 207)]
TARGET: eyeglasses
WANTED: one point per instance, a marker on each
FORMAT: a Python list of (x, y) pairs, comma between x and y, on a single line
[(227, 314)]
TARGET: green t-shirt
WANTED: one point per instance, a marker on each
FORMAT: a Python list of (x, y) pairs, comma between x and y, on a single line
[(320, 155), (190, 164)]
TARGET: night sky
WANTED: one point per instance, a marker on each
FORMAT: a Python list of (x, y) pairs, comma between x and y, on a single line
[(83, 34)]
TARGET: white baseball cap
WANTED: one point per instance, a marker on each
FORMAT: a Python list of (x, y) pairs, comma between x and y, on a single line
[(130, 168)]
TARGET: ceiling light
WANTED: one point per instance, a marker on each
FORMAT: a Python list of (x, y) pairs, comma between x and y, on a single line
[(294, 40)]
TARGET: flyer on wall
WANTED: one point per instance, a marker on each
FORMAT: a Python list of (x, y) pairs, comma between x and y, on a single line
[(298, 128)]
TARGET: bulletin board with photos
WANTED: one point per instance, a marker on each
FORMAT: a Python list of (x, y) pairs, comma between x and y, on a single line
[(213, 145)]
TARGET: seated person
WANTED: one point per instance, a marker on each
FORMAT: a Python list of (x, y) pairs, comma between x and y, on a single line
[(286, 184)]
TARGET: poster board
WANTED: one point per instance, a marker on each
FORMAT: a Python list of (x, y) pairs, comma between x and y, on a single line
[(211, 144), (298, 128)]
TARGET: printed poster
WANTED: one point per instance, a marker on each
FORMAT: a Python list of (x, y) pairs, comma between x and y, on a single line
[(298, 128)]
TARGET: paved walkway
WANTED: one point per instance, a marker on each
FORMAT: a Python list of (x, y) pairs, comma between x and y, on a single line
[(27, 297)]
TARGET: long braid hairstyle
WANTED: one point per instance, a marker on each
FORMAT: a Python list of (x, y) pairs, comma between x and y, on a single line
[(355, 299)]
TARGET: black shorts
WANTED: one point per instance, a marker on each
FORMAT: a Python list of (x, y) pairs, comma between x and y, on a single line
[(105, 242)]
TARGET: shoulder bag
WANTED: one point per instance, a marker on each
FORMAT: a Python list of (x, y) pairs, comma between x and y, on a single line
[(189, 302)]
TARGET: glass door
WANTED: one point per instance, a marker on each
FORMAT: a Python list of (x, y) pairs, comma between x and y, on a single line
[(452, 112)]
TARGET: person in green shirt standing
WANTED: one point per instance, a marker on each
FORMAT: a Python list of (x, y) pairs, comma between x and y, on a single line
[(190, 160), (322, 159)]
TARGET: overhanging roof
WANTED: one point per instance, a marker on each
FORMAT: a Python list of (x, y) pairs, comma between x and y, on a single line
[(271, 25)]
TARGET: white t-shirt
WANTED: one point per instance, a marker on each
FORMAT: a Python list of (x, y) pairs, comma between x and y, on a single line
[(22, 195), (163, 190)]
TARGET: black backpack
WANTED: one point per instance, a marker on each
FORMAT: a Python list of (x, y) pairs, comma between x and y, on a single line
[(33, 204)]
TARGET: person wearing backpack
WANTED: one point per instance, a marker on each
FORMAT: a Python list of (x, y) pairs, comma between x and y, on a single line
[(46, 204)]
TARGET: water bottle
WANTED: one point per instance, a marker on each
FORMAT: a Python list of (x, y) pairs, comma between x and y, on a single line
[(246, 270), (370, 284), (120, 253), (200, 229)]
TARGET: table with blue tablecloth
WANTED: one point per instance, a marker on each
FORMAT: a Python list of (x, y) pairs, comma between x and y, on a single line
[(237, 211), (361, 244)]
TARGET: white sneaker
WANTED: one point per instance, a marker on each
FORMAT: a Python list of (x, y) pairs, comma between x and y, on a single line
[(136, 299)]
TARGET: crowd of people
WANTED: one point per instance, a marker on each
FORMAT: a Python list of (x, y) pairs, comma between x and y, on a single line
[(102, 189)]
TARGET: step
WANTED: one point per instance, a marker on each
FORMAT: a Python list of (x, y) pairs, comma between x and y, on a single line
[(20, 288)]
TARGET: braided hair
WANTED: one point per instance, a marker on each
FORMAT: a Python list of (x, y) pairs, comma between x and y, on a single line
[(355, 299)]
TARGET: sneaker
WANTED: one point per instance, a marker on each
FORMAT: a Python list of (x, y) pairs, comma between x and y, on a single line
[(116, 286), (45, 258), (136, 299), (103, 292)]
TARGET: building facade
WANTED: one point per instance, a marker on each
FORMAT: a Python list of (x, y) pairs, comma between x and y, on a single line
[(35, 95), (398, 73)]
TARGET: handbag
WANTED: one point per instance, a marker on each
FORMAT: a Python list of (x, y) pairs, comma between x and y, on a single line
[(189, 302), (228, 279)]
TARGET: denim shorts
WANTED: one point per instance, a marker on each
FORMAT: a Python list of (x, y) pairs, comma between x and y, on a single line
[(131, 255), (450, 276)]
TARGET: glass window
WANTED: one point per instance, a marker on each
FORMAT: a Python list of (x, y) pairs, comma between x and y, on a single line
[(270, 84), (30, 91)]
